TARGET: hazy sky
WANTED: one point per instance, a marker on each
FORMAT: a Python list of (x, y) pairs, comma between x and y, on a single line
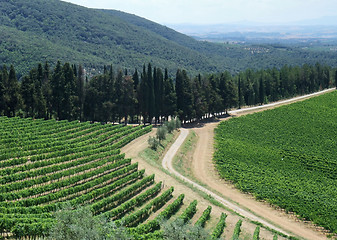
[(219, 11)]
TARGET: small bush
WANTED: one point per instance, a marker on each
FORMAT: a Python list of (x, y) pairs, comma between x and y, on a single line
[(180, 230), (79, 224), (171, 126), (153, 142), (161, 133)]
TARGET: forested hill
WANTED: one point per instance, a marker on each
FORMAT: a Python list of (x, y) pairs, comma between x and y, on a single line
[(35, 31), (38, 30)]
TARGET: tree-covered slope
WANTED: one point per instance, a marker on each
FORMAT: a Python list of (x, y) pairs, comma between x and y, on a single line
[(38, 30), (92, 37)]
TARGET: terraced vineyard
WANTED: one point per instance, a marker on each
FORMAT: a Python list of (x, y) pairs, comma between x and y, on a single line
[(47, 165), (286, 156)]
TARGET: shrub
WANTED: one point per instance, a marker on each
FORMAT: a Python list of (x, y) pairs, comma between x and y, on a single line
[(179, 230), (80, 224), (171, 126), (161, 133), (153, 142)]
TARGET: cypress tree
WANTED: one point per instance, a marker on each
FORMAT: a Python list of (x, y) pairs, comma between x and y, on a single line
[(180, 94), (199, 103), (41, 105), (161, 91), (27, 95), (69, 89), (119, 95), (232, 97), (57, 84), (80, 92), (215, 100), (5, 94), (239, 92), (136, 110), (184, 96), (46, 90), (262, 93), (2, 92), (228, 92), (158, 92), (170, 98), (13, 91), (128, 97), (142, 95), (150, 96), (135, 79), (336, 78)]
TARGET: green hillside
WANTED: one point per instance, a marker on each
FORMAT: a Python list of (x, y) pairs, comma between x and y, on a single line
[(38, 30), (285, 156)]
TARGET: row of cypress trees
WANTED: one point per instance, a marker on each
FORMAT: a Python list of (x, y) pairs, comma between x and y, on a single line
[(151, 95)]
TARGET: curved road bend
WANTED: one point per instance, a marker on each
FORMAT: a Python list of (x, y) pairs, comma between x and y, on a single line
[(167, 164)]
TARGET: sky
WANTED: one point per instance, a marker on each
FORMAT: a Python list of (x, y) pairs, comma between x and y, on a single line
[(219, 11)]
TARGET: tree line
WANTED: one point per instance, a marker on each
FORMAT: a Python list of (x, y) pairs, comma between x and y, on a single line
[(150, 95)]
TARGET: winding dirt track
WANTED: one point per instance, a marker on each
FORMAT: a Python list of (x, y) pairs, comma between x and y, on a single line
[(203, 169)]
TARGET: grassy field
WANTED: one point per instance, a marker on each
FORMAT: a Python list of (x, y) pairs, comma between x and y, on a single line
[(285, 156)]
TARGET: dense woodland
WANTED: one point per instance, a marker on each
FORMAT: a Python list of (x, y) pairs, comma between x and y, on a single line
[(150, 95), (39, 30)]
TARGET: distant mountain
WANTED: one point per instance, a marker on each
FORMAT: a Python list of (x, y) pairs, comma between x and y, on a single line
[(49, 30), (323, 21)]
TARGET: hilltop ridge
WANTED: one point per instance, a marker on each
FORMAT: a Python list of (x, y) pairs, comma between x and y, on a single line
[(38, 30)]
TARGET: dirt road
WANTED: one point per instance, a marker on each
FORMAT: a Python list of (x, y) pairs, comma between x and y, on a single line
[(167, 164), (204, 170)]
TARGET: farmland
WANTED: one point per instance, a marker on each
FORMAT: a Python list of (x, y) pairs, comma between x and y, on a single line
[(47, 165), (285, 156)]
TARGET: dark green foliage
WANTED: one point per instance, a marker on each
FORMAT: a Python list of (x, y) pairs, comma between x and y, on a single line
[(12, 97), (169, 98), (37, 30), (184, 96), (150, 96), (336, 79), (227, 91), (199, 101), (57, 85), (64, 94)]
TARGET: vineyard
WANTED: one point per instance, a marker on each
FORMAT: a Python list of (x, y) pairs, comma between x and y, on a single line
[(49, 165), (285, 156)]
